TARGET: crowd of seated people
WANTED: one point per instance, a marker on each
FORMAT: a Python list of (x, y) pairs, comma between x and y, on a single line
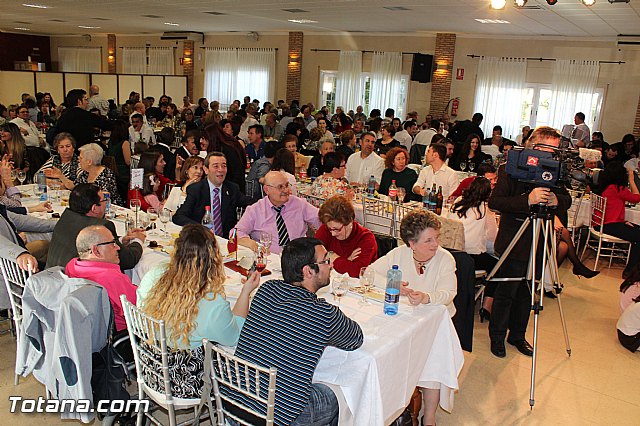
[(250, 158)]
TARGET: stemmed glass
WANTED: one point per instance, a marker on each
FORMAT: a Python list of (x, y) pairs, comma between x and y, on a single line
[(340, 288), (153, 216), (472, 166), (134, 204), (144, 220), (463, 166), (265, 241), (261, 258), (14, 175), (401, 194), (165, 216), (22, 176), (367, 276)]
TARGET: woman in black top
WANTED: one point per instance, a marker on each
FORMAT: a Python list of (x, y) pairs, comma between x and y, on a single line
[(471, 154), (396, 169), (387, 141), (232, 150)]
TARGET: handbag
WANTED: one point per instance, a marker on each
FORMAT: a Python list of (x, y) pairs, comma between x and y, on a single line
[(110, 375)]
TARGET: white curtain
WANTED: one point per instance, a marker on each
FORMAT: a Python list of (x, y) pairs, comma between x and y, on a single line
[(161, 61), (80, 59), (256, 74), (572, 87), (386, 73), (134, 60), (234, 73), (499, 87), (349, 80)]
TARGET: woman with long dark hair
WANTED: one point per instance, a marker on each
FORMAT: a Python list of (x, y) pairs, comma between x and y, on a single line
[(120, 150), (471, 153), (233, 151), (14, 145)]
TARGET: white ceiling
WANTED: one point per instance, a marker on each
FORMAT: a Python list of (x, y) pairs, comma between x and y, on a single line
[(567, 18)]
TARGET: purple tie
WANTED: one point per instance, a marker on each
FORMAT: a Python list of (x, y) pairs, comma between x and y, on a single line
[(216, 212)]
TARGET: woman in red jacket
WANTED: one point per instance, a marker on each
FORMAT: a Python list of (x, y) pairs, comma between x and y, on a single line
[(614, 181), (352, 246)]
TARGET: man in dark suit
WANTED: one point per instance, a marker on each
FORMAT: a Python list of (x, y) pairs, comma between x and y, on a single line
[(189, 145), (78, 121), (86, 208), (163, 141), (201, 194)]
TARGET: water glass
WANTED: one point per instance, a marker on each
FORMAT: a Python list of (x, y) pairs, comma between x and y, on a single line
[(164, 215), (463, 166), (265, 240), (472, 166), (367, 277), (340, 288), (153, 216), (22, 176), (401, 194)]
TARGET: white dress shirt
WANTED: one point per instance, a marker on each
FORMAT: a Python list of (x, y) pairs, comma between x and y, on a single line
[(424, 137), (404, 138), (31, 139), (146, 133), (445, 177), (479, 232), (361, 169)]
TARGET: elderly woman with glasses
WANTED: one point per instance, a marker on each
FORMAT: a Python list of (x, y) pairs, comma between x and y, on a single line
[(428, 273), (91, 171), (332, 182), (352, 245)]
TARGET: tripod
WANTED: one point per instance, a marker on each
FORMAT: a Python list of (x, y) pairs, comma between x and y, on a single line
[(542, 219)]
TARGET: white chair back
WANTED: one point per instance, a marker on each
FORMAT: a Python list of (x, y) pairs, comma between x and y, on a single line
[(598, 207), (312, 199), (168, 187), (379, 216), (222, 369), (574, 210)]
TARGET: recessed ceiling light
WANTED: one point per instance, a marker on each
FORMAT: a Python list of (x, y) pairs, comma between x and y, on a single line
[(87, 27), (22, 29), (498, 4), (173, 24), (302, 21), (37, 6), (492, 21)]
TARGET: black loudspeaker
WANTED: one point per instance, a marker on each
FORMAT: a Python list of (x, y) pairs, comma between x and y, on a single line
[(422, 68)]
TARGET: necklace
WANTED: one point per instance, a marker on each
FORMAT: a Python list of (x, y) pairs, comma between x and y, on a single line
[(421, 264)]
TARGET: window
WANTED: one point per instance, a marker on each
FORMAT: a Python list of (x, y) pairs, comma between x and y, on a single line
[(327, 92), (536, 105)]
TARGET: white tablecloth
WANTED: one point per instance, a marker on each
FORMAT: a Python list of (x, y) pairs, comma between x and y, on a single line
[(632, 214)]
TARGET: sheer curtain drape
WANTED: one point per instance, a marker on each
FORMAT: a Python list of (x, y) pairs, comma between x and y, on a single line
[(80, 59), (134, 60), (386, 75), (234, 73), (161, 61), (349, 80), (499, 87), (572, 88)]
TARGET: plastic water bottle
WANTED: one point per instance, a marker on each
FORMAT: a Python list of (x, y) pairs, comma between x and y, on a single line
[(107, 206), (425, 198), (207, 219), (393, 191), (41, 180), (392, 292), (371, 186)]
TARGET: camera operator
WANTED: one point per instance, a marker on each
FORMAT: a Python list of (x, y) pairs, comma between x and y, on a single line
[(513, 199)]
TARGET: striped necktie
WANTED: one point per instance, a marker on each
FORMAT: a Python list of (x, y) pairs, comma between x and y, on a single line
[(216, 212), (283, 235)]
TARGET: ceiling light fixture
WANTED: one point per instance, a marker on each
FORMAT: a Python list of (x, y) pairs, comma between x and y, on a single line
[(37, 6), (302, 21), (492, 21), (173, 24), (87, 27), (588, 3), (498, 4), (520, 3), (552, 2), (22, 29)]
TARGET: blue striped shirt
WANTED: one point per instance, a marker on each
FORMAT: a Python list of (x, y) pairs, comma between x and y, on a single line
[(288, 328)]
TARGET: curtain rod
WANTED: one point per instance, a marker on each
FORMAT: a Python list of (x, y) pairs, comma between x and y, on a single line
[(554, 59), (80, 47), (365, 51), (240, 48), (144, 47)]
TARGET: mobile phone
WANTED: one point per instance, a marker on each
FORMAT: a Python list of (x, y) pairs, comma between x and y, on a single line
[(252, 269)]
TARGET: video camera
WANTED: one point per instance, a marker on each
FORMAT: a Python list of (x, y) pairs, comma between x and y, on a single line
[(553, 168)]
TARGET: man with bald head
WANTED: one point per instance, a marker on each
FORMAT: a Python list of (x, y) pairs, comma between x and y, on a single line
[(97, 101), (279, 213)]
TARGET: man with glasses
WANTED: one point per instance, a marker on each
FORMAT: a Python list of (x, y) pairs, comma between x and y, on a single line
[(292, 339), (27, 127), (78, 121), (139, 131), (98, 259), (279, 214), (223, 198), (86, 208)]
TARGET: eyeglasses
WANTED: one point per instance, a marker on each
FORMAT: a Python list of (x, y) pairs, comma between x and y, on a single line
[(24, 111), (106, 243), (343, 166), (326, 261), (281, 187), (336, 230)]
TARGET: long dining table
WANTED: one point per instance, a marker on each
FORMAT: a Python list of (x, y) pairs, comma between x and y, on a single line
[(375, 382)]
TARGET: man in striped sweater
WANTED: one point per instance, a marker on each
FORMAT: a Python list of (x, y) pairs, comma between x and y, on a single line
[(288, 327)]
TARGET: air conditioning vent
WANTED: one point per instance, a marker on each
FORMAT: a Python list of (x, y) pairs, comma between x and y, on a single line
[(183, 35)]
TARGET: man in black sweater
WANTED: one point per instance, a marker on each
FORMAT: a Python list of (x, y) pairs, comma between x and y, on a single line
[(78, 121)]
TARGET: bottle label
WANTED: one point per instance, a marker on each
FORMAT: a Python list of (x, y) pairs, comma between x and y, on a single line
[(393, 192), (392, 296)]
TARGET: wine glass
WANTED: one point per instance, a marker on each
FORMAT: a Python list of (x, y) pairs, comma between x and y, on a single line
[(463, 166), (340, 288), (401, 194), (165, 216), (472, 166), (367, 276), (14, 175), (265, 241), (144, 220), (22, 176), (261, 258), (134, 204), (153, 216)]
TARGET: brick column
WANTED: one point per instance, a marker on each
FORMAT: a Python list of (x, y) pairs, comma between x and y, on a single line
[(294, 65), (187, 65), (111, 53), (636, 123), (441, 83)]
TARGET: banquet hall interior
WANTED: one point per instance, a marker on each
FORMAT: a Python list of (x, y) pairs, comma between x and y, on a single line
[(307, 46)]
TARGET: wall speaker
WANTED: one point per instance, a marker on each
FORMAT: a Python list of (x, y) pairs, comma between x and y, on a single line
[(422, 68)]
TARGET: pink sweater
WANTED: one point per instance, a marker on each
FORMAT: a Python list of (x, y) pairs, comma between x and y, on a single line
[(109, 276)]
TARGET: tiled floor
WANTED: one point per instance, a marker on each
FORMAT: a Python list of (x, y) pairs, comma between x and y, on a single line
[(596, 385)]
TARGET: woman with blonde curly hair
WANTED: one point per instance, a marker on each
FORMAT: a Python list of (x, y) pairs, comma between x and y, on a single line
[(188, 294)]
